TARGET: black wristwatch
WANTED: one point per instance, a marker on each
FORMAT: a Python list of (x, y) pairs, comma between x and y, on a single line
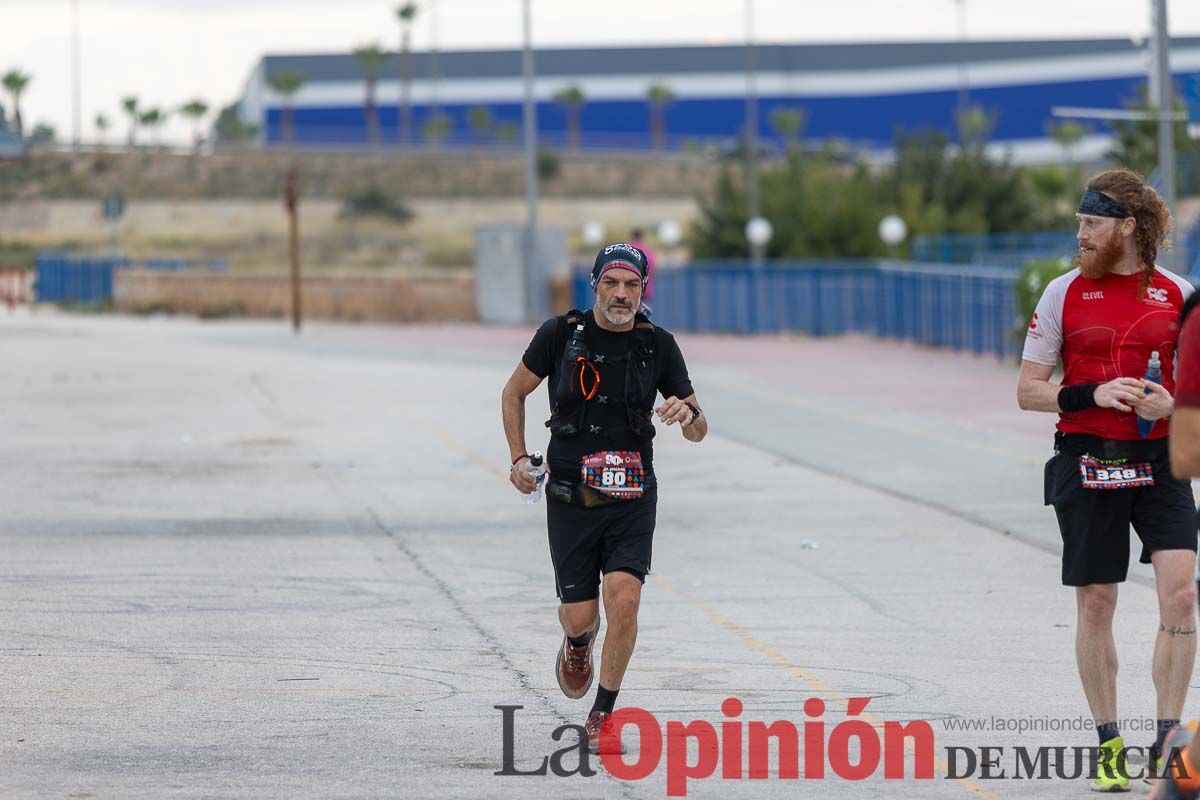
[(694, 409)]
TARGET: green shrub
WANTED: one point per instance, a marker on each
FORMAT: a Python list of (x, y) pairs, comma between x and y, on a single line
[(548, 164), (222, 311), (373, 201), (1034, 279), (828, 202)]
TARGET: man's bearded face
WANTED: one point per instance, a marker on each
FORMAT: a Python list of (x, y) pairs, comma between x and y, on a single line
[(1100, 250)]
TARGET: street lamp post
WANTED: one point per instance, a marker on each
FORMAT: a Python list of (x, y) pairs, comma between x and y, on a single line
[(1165, 103), (758, 234), (963, 79), (670, 234), (76, 72), (531, 178), (753, 200), (893, 232)]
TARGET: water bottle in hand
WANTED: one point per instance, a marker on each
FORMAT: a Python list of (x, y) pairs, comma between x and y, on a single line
[(536, 467), (1153, 373)]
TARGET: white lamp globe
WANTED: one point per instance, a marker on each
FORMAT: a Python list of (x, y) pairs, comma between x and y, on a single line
[(758, 231), (892, 230), (593, 233), (669, 233)]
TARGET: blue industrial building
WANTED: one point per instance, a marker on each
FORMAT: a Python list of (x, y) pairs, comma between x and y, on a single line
[(860, 93)]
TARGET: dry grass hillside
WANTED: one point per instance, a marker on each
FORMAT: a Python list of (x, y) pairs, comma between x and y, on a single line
[(260, 174), (229, 205)]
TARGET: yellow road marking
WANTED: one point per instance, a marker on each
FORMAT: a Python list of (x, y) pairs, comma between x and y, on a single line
[(255, 689), (813, 682)]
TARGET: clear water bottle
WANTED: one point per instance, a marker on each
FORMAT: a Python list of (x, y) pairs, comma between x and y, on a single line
[(1153, 373), (536, 468)]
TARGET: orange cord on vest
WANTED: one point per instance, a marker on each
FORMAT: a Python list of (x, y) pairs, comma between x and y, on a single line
[(584, 365)]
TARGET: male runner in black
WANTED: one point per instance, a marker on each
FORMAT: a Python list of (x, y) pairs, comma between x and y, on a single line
[(605, 366)]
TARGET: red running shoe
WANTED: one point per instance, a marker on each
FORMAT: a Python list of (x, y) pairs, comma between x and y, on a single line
[(573, 667), (602, 737)]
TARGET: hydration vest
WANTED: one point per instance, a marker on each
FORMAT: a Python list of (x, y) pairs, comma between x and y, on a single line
[(568, 417)]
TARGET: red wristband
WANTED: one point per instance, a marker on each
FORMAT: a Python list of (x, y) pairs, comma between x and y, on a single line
[(518, 458)]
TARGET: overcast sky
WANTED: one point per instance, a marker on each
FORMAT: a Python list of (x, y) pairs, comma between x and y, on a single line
[(169, 51)]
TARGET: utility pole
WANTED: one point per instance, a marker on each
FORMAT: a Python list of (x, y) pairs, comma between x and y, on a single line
[(532, 261), (753, 199), (435, 68), (1165, 103), (964, 82), (291, 201), (76, 72), (404, 118)]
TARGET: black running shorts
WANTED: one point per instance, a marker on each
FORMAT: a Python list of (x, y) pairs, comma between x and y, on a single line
[(1094, 523), (585, 542)]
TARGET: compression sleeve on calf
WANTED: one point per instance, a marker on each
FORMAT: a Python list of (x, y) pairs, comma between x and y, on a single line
[(1078, 397)]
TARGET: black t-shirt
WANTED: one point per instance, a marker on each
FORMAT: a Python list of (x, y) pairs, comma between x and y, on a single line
[(543, 358)]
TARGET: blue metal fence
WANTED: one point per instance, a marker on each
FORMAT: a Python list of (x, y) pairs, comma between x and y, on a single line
[(942, 305), (1013, 250), (1191, 251), (72, 278), (991, 248), (962, 309)]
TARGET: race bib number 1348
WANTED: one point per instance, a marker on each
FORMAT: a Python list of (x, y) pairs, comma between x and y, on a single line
[(1096, 474)]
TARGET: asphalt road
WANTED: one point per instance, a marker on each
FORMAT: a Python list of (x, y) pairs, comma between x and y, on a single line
[(238, 563)]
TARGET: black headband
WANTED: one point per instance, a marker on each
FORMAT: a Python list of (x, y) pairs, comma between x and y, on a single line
[(1095, 204)]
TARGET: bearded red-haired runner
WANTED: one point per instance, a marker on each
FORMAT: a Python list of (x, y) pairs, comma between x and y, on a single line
[(1104, 319)]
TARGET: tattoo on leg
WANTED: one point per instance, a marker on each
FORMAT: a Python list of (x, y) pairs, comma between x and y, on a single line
[(1174, 630)]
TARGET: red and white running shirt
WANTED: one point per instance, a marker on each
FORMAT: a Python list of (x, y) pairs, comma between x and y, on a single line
[(1187, 362), (1103, 330)]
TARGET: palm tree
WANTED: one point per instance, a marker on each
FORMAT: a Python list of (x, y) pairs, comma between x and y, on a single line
[(102, 124), (371, 57), (406, 13), (507, 133), (195, 111), (129, 104), (571, 98), (480, 120), (1067, 134), (437, 128), (975, 126), (152, 119), (286, 84), (788, 122), (659, 96), (15, 83)]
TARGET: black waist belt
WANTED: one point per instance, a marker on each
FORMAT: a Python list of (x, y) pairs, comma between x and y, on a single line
[(577, 494), (1078, 444)]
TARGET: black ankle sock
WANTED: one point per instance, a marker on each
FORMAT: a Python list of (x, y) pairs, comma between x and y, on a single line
[(1164, 727), (1108, 730), (606, 699), (580, 640)]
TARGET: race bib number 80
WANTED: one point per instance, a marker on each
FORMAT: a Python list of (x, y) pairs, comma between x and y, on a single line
[(1097, 474), (617, 473)]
